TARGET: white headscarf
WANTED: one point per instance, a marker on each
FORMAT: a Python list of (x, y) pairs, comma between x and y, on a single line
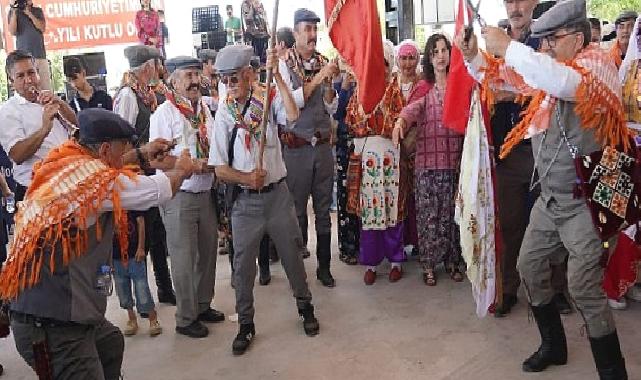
[(632, 54), (388, 52)]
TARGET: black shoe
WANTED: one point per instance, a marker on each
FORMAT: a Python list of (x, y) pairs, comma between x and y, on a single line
[(325, 277), (607, 357), (244, 338), (195, 330), (310, 323), (211, 316), (553, 349), (562, 304), (167, 296), (264, 277), (509, 300)]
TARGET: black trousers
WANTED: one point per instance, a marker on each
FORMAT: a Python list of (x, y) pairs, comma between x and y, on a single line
[(156, 245)]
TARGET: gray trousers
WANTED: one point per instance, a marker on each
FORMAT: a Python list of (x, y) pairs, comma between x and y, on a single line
[(514, 174), (558, 230), (252, 216), (76, 352), (310, 171), (192, 241)]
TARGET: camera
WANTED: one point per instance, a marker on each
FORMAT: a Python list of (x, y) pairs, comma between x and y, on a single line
[(19, 4)]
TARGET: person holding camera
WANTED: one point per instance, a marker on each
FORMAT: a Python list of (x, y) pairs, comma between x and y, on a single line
[(28, 24)]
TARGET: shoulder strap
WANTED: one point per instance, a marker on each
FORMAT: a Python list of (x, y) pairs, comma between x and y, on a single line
[(230, 147)]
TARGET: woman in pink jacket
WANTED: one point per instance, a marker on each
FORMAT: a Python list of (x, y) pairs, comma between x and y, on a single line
[(148, 25), (436, 167)]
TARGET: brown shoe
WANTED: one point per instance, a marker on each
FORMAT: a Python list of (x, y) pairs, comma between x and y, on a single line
[(395, 274), (370, 277)]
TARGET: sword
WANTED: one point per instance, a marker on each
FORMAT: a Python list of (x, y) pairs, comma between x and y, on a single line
[(475, 17)]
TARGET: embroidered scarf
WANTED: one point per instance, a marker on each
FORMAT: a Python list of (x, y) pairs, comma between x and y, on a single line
[(631, 92), (305, 69), (381, 120), (145, 93), (255, 110), (598, 99), (68, 189), (198, 121)]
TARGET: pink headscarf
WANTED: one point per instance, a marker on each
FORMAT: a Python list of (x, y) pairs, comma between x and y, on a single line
[(407, 48)]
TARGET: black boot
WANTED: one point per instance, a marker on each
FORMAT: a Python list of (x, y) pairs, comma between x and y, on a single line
[(607, 357), (244, 338), (502, 310), (553, 349), (310, 323), (324, 255)]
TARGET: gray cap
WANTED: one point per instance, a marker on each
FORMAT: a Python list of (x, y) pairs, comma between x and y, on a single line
[(626, 16), (139, 54), (564, 13), (233, 58), (206, 55), (182, 62), (304, 14)]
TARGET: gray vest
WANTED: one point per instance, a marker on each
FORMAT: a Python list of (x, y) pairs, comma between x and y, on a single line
[(313, 117), (558, 177), (69, 294)]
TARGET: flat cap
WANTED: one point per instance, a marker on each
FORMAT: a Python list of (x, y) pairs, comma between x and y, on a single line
[(304, 14), (626, 16), (562, 14), (98, 125), (139, 54), (182, 62), (206, 55), (233, 58)]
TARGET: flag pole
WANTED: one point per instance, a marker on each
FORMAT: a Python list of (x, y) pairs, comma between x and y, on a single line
[(267, 101)]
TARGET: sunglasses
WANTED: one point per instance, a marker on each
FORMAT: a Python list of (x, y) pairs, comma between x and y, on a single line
[(229, 79)]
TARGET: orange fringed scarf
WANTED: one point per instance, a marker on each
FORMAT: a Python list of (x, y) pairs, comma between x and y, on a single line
[(68, 189), (598, 99), (616, 53)]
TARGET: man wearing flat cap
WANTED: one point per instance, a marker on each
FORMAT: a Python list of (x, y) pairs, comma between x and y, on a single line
[(209, 80), (624, 24), (134, 102), (563, 125), (64, 233), (308, 152), (259, 197), (190, 218)]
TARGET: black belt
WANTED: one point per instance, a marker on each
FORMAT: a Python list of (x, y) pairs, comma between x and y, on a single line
[(39, 321), (264, 189)]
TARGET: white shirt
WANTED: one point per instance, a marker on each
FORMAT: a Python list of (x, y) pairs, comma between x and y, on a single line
[(246, 160), (539, 71), (126, 105), (21, 119), (298, 94), (168, 123)]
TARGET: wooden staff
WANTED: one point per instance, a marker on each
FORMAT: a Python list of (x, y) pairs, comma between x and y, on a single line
[(267, 102)]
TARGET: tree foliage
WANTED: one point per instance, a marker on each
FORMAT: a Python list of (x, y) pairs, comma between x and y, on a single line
[(610, 9)]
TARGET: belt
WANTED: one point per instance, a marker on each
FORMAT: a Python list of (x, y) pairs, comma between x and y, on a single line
[(294, 142), (39, 321), (264, 189)]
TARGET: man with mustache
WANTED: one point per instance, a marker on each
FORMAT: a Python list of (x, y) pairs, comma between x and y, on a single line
[(30, 125), (514, 173), (567, 79), (308, 153), (192, 225), (624, 25)]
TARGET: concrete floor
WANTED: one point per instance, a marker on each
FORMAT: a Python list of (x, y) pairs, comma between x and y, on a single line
[(385, 331)]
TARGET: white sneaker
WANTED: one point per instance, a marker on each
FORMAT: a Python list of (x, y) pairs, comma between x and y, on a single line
[(634, 293), (619, 304)]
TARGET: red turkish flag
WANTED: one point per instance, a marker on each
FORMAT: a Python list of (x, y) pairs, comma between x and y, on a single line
[(355, 30), (456, 107)]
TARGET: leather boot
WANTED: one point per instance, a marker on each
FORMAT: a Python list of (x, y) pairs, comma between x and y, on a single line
[(324, 255), (607, 357), (310, 323), (553, 349)]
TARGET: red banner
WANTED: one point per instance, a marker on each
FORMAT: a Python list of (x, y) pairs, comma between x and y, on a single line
[(75, 24)]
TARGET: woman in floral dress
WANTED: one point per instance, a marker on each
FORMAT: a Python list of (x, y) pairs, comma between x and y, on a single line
[(437, 161), (148, 26), (381, 206)]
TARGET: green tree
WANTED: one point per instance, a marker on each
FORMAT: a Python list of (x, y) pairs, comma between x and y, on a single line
[(610, 9)]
